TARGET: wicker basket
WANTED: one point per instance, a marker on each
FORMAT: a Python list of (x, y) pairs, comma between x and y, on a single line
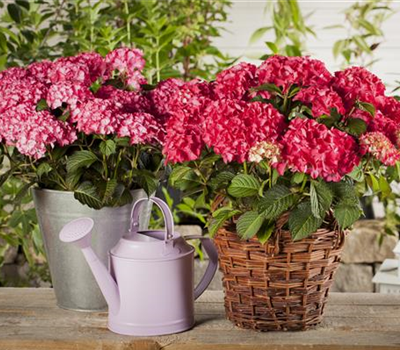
[(281, 285)]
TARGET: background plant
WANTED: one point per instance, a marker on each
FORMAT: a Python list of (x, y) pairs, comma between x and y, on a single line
[(289, 27), (363, 22)]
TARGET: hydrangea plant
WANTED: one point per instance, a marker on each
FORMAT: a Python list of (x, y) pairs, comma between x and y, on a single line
[(284, 137), (83, 124)]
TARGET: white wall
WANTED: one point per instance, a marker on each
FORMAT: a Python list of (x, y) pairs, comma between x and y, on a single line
[(247, 16)]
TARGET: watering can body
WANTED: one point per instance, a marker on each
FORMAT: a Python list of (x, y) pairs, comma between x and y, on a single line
[(149, 284)]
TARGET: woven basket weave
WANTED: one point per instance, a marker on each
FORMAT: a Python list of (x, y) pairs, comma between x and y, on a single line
[(281, 285)]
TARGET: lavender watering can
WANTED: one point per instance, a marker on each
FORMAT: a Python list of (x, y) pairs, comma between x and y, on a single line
[(149, 289)]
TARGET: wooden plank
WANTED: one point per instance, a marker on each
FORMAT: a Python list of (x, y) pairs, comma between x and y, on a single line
[(30, 319)]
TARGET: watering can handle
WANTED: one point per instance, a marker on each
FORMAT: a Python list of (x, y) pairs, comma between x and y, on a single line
[(168, 218), (212, 265)]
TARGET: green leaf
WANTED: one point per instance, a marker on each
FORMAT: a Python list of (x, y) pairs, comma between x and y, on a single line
[(361, 43), (272, 47), (356, 126), (268, 87), (79, 160), (15, 12), (384, 187), (265, 232), (258, 34), (321, 199), (292, 50), (276, 200), (357, 174), (221, 178), (122, 196), (178, 173), (343, 191), (244, 186), (41, 105), (23, 3), (338, 47), (298, 178), (346, 213), (248, 224), (109, 190), (146, 180), (219, 218), (302, 222), (43, 169), (107, 147), (366, 107), (86, 194), (369, 27)]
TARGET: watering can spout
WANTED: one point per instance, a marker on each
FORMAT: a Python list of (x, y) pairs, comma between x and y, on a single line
[(78, 232)]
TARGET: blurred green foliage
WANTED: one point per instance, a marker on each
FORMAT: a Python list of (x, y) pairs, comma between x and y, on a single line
[(175, 35), (363, 24), (289, 27)]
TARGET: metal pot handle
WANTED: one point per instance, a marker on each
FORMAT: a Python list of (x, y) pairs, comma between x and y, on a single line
[(168, 218), (212, 265)]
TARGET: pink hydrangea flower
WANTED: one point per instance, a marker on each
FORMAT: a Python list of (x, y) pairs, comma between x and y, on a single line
[(32, 132), (321, 100), (312, 148), (232, 127), (141, 128), (160, 97), (127, 101), (64, 70), (14, 73), (380, 147), (15, 92), (287, 71), (40, 71), (95, 63), (357, 83), (68, 93), (235, 82), (96, 116), (129, 63)]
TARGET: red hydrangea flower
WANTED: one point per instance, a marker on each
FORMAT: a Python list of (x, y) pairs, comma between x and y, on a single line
[(321, 100), (312, 148), (68, 93), (380, 147), (32, 132), (357, 83), (14, 73), (95, 63), (184, 138), (232, 127), (390, 107), (129, 63), (141, 128), (64, 70), (40, 71), (287, 71), (235, 82), (386, 126)]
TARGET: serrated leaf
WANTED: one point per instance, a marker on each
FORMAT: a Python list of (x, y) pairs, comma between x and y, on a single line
[(302, 222), (86, 194), (343, 191), (321, 199), (108, 147), (220, 218), (346, 213), (221, 178), (248, 224), (265, 232), (276, 200), (243, 186), (79, 160), (356, 126)]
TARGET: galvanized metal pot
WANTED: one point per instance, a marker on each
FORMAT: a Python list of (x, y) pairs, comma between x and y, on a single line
[(73, 281)]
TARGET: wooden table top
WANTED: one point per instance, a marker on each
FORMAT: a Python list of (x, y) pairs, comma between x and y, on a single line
[(30, 319)]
